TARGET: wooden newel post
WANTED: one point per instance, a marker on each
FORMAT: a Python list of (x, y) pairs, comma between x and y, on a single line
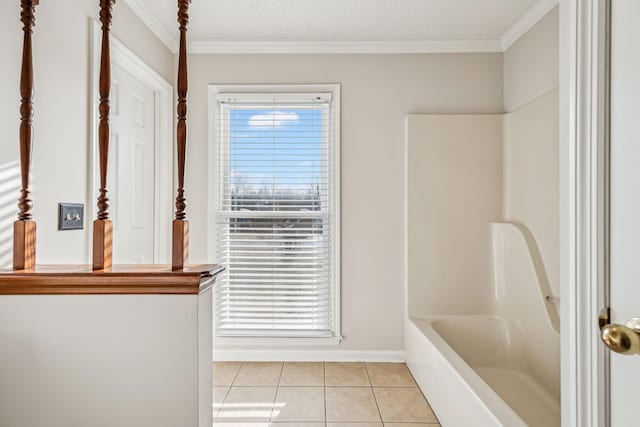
[(180, 246), (102, 226), (24, 229)]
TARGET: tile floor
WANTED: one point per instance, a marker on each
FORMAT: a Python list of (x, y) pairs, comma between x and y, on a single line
[(277, 394)]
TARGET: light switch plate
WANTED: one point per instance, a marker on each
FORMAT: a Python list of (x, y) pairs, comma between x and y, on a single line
[(70, 216)]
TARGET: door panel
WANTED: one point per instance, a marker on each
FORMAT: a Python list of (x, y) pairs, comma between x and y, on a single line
[(132, 161), (625, 201)]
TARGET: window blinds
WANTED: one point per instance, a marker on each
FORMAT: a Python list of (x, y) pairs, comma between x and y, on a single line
[(275, 214)]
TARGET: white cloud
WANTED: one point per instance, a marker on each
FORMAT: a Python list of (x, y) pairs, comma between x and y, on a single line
[(273, 119)]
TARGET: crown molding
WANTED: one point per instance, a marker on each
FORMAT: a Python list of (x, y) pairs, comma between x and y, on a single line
[(517, 30), (370, 47), (149, 18), (528, 20)]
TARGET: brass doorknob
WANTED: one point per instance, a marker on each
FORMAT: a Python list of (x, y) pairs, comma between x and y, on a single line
[(623, 339)]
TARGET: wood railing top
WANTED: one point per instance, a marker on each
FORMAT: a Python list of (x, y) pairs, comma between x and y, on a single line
[(119, 280)]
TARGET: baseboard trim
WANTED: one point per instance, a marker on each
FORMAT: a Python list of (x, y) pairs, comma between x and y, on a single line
[(311, 355)]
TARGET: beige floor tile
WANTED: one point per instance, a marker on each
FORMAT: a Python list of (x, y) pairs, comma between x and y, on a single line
[(390, 375), (260, 374), (346, 374), (296, 424), (219, 393), (299, 404), (354, 425), (242, 424), (224, 372), (411, 424), (247, 404), (351, 404), (302, 374), (403, 405)]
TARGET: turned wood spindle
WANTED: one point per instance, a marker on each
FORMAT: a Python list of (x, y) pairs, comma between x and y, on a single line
[(102, 226), (24, 229), (180, 251)]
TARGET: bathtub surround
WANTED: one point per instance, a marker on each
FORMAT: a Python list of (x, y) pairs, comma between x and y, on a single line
[(464, 172), (531, 177), (461, 171)]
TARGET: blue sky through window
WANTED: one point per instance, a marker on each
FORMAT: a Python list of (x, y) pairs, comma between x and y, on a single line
[(276, 150)]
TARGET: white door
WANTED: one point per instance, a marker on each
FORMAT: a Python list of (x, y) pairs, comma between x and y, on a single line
[(625, 202), (131, 173)]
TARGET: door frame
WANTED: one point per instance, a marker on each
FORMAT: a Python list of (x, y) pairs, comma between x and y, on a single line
[(584, 177), (164, 147)]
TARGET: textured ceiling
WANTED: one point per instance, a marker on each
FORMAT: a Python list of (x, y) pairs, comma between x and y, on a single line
[(343, 20)]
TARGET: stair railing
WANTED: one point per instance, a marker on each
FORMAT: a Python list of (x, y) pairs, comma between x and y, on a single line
[(24, 249)]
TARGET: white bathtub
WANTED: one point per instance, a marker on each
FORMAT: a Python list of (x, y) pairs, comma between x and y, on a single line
[(476, 371)]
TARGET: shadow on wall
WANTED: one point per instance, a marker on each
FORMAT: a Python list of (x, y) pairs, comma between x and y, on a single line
[(9, 192)]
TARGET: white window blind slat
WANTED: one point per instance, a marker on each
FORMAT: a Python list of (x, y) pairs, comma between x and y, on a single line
[(275, 213)]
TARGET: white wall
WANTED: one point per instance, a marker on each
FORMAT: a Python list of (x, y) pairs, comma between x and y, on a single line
[(531, 63), (61, 60), (454, 193), (105, 360), (377, 92)]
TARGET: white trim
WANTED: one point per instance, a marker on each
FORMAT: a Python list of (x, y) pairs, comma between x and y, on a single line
[(337, 47), (310, 355), (526, 22), (583, 211), (163, 104), (149, 18), (214, 90)]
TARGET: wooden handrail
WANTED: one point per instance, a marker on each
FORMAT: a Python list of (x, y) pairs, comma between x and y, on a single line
[(102, 226), (180, 244), (24, 229)]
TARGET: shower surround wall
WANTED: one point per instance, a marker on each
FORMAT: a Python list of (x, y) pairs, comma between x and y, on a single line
[(531, 177), (465, 172), (481, 202)]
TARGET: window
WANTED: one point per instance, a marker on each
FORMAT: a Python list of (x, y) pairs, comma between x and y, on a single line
[(276, 211)]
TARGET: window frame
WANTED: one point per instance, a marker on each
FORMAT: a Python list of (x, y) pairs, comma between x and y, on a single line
[(212, 193)]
